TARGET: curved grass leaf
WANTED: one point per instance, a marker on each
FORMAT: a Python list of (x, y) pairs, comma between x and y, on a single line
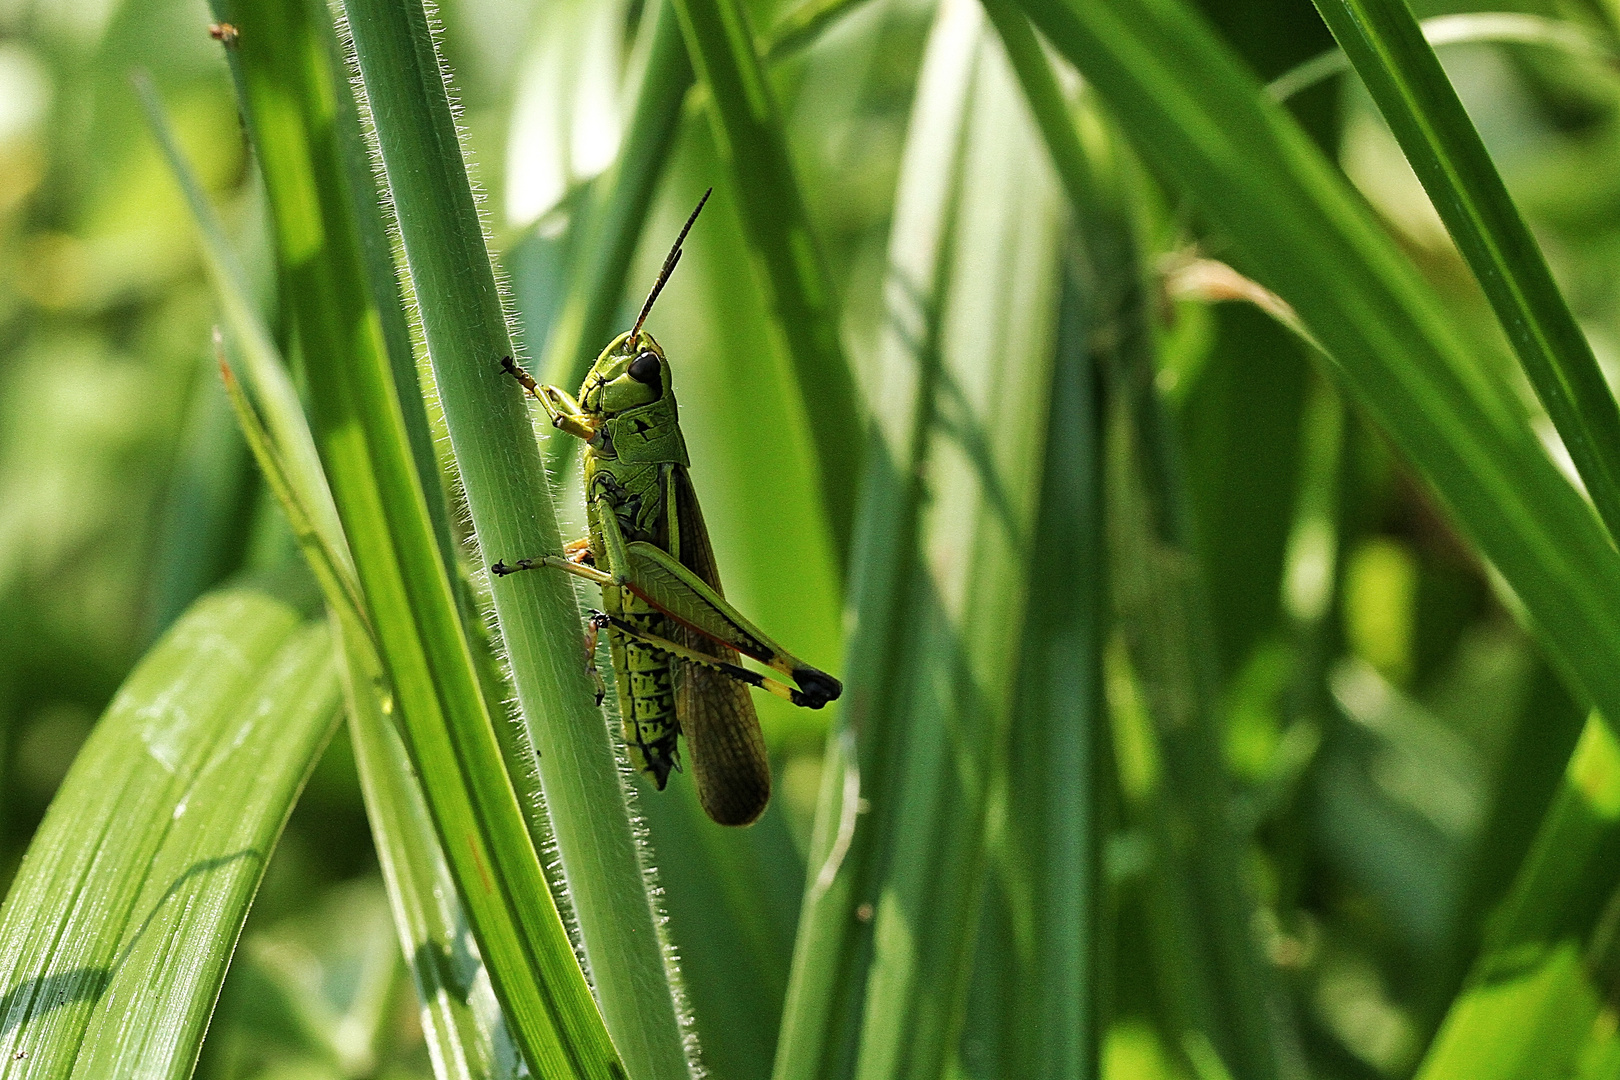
[(116, 934), (1533, 1000), (1399, 68), (1479, 27), (1191, 110)]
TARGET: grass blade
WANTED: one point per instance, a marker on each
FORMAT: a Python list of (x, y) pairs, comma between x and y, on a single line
[(508, 495), (1048, 855), (618, 206), (1399, 68), (116, 934), (965, 373), (1502, 27), (466, 1034), (1533, 999), (820, 1023), (1201, 119), (464, 1038), (287, 78), (748, 130), (1158, 596)]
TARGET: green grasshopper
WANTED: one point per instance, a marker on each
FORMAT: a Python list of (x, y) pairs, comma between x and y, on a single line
[(671, 632)]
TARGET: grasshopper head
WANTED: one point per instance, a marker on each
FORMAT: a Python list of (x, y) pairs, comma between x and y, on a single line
[(630, 373)]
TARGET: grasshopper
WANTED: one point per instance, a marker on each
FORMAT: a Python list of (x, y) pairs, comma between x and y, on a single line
[(672, 634)]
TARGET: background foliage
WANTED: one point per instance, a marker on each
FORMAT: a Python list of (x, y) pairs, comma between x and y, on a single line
[(1191, 730)]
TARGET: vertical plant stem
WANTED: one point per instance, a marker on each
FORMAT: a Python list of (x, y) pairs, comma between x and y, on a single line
[(509, 497), (288, 81)]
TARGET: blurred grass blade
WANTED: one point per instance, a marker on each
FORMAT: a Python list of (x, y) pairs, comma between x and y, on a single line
[(1200, 118), (821, 1020), (1047, 856), (964, 370), (284, 420), (1534, 998), (118, 929), (288, 77), (1404, 77), (466, 1034), (617, 209), (1158, 597), (509, 497), (748, 130), (955, 682), (1498, 27), (802, 23)]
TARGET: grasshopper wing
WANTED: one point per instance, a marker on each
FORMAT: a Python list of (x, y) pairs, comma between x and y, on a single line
[(729, 764)]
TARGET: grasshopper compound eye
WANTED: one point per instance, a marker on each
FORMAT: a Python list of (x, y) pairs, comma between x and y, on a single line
[(644, 369)]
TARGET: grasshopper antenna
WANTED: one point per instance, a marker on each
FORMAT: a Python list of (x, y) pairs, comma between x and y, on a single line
[(670, 261)]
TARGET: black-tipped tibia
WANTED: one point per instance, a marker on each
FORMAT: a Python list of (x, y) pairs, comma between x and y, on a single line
[(816, 688)]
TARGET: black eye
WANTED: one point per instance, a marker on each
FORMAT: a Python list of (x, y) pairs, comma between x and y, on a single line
[(644, 369)]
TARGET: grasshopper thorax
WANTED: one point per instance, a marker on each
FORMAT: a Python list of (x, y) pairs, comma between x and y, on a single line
[(628, 391)]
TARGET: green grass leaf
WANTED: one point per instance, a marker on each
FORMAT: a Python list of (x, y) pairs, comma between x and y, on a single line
[(1387, 48), (799, 290), (289, 79), (115, 936), (1532, 1000), (1204, 122), (941, 571), (509, 497)]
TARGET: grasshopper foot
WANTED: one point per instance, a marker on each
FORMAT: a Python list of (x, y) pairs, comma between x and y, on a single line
[(817, 687)]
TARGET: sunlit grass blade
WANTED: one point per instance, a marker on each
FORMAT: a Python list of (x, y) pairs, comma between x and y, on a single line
[(288, 76), (984, 456), (509, 497), (116, 934), (748, 130), (821, 1020), (1203, 121), (965, 372), (1399, 68), (1532, 1003)]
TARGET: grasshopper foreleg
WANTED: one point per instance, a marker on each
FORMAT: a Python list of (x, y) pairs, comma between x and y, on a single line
[(564, 411)]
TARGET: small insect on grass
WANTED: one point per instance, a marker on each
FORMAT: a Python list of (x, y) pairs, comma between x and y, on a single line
[(673, 636)]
